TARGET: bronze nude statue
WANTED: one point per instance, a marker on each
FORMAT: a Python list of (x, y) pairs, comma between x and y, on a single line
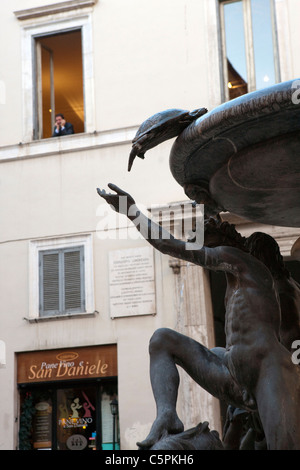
[(254, 372), (220, 158)]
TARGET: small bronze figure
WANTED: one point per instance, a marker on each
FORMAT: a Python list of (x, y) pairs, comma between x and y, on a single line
[(159, 128)]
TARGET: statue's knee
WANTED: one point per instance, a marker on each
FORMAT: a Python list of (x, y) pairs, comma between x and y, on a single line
[(159, 340)]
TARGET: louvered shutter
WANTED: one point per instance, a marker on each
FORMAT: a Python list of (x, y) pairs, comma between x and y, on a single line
[(72, 280), (62, 281), (50, 282)]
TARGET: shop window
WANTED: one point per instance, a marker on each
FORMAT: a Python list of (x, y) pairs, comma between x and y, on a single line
[(64, 417), (59, 81), (249, 44), (61, 281), (76, 412)]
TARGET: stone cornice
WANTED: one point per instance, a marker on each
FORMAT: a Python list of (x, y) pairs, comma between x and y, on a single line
[(55, 8)]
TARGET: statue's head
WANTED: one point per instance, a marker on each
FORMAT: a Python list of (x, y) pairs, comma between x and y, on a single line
[(266, 249), (218, 233)]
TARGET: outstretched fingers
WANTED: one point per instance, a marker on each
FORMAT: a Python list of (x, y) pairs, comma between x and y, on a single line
[(101, 192), (118, 190), (110, 198), (113, 187)]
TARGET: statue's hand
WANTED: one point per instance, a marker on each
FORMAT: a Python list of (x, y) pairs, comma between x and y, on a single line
[(121, 201)]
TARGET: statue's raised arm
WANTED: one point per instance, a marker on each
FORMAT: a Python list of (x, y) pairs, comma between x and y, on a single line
[(155, 234)]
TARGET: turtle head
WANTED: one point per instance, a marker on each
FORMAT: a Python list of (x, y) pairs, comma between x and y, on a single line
[(134, 153), (198, 112)]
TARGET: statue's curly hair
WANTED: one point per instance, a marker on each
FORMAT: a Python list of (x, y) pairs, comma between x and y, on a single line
[(266, 249), (260, 245), (229, 232)]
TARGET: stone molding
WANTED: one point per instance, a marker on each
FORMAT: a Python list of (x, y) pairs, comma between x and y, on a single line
[(67, 144), (55, 8)]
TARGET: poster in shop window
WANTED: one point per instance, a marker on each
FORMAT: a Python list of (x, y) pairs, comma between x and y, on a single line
[(42, 425)]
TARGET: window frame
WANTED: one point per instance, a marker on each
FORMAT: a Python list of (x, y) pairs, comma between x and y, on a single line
[(38, 124), (249, 48), (83, 241), (46, 26)]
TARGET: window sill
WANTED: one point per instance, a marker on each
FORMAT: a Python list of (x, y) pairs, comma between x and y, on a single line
[(66, 316), (66, 144)]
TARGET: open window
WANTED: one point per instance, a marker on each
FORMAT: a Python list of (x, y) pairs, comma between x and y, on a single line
[(249, 45), (66, 35), (59, 81)]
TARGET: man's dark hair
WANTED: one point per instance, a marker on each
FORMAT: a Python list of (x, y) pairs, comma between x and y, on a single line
[(60, 114)]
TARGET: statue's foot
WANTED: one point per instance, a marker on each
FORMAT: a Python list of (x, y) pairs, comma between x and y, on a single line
[(163, 425)]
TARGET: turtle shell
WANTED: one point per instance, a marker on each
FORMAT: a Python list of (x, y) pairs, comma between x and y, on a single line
[(159, 119)]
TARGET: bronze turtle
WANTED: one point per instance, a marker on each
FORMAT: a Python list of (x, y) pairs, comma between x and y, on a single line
[(160, 127)]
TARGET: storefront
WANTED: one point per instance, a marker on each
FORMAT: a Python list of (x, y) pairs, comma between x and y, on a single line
[(68, 399)]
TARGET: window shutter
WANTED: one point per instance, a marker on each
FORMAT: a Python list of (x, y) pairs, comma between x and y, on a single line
[(72, 280), (62, 281), (50, 284)]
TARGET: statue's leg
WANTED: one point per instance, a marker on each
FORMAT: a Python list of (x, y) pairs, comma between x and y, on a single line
[(278, 400), (167, 349)]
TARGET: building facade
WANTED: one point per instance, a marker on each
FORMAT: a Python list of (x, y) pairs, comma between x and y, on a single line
[(81, 291)]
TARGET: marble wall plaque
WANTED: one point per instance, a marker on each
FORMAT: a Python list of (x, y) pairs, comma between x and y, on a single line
[(131, 282)]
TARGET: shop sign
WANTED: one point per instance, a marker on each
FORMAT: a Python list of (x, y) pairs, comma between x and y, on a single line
[(78, 363)]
